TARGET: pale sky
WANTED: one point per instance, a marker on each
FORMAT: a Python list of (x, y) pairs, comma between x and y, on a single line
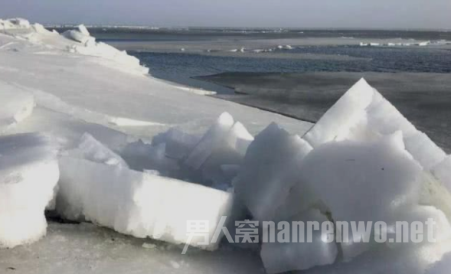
[(385, 14)]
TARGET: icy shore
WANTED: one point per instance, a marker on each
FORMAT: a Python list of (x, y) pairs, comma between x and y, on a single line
[(88, 135)]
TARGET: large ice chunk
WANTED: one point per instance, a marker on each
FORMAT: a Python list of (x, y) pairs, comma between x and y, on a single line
[(363, 181), (28, 175), (83, 30), (138, 204), (345, 114), (363, 113), (269, 171), (79, 36)]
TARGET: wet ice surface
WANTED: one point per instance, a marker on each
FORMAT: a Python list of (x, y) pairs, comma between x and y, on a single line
[(86, 248)]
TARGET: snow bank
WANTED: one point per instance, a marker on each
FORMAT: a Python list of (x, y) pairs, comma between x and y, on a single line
[(28, 175), (136, 203), (16, 105)]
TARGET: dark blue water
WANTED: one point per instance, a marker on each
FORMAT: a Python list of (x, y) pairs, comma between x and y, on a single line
[(181, 67)]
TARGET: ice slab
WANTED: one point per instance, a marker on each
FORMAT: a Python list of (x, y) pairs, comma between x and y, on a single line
[(269, 171), (138, 204), (28, 175), (83, 30)]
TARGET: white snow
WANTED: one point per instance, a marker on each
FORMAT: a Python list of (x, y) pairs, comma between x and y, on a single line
[(28, 174)]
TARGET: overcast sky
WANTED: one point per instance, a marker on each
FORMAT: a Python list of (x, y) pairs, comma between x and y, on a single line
[(399, 14)]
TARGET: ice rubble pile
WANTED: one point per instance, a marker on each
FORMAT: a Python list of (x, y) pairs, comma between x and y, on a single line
[(78, 41), (132, 202), (212, 159), (362, 161), (89, 46), (28, 175)]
